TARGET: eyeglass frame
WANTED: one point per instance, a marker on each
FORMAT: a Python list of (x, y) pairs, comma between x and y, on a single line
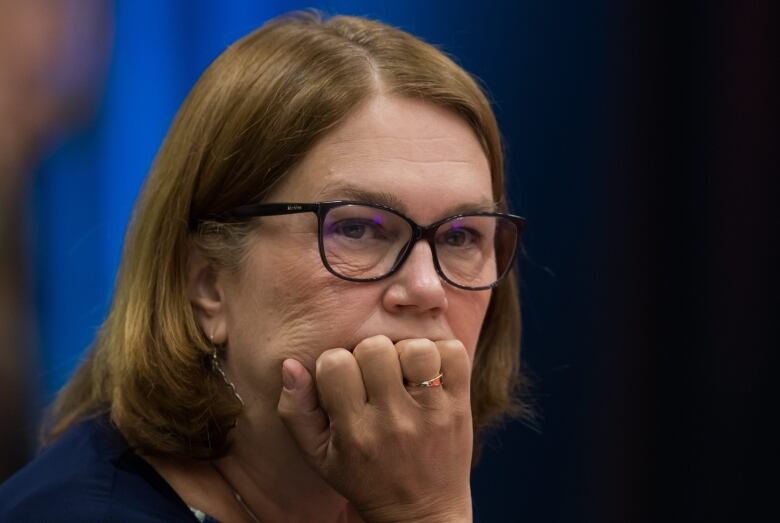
[(419, 232)]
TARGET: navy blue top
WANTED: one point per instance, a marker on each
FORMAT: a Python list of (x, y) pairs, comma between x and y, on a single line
[(90, 474)]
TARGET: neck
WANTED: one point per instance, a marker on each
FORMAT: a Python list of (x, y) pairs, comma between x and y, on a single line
[(265, 467)]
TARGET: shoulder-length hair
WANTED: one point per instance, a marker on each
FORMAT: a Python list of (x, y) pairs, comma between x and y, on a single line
[(254, 113)]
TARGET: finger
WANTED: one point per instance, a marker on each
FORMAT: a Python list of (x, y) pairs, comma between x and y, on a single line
[(339, 383), (300, 411), (455, 367), (378, 359), (420, 360)]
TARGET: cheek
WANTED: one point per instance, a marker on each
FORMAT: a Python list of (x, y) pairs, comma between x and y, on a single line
[(291, 306), (466, 313)]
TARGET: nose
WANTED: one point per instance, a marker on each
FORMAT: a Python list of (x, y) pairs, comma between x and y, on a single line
[(416, 286)]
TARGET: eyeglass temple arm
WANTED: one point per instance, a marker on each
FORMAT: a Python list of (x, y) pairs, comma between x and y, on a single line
[(270, 209)]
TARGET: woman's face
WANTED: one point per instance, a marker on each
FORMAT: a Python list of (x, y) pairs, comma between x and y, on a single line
[(285, 304)]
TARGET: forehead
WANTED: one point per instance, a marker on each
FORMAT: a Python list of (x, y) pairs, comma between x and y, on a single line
[(419, 158)]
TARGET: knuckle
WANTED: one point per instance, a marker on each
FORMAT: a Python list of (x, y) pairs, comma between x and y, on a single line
[(365, 443), (419, 348), (461, 413), (333, 360), (380, 340), (442, 423), (403, 429), (396, 425), (454, 352), (393, 413), (453, 348), (373, 345), (357, 441), (424, 358), (416, 344), (449, 421)]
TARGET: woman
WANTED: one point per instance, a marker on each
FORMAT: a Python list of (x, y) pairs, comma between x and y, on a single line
[(285, 342)]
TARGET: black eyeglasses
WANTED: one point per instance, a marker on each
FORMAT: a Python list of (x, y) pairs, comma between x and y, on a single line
[(364, 242)]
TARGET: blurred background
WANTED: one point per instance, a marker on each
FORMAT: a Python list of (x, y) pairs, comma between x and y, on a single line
[(639, 149)]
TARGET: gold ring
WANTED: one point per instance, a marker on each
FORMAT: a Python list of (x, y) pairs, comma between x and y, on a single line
[(433, 382)]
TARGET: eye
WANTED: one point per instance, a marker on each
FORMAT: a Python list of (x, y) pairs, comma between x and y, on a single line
[(457, 237), (358, 230)]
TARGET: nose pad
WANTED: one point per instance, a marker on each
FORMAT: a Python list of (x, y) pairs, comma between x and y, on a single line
[(417, 284)]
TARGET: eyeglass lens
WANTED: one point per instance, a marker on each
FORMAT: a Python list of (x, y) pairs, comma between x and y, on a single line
[(363, 242)]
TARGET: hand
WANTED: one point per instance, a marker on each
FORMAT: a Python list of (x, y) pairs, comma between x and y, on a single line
[(397, 453)]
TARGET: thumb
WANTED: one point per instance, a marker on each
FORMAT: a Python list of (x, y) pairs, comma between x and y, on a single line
[(300, 411)]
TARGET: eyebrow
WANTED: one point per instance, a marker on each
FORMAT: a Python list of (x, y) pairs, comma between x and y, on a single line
[(351, 192)]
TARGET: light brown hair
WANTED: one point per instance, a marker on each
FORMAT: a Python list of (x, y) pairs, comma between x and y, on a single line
[(254, 113)]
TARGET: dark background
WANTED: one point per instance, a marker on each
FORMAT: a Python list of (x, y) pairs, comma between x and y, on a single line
[(639, 144)]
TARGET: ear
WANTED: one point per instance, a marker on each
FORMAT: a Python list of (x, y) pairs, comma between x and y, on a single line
[(205, 289)]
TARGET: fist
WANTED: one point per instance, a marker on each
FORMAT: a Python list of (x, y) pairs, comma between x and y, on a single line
[(396, 450)]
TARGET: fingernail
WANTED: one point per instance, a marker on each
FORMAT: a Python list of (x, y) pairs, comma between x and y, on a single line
[(288, 378)]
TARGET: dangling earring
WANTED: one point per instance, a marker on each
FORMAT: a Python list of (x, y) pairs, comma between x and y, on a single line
[(215, 365)]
